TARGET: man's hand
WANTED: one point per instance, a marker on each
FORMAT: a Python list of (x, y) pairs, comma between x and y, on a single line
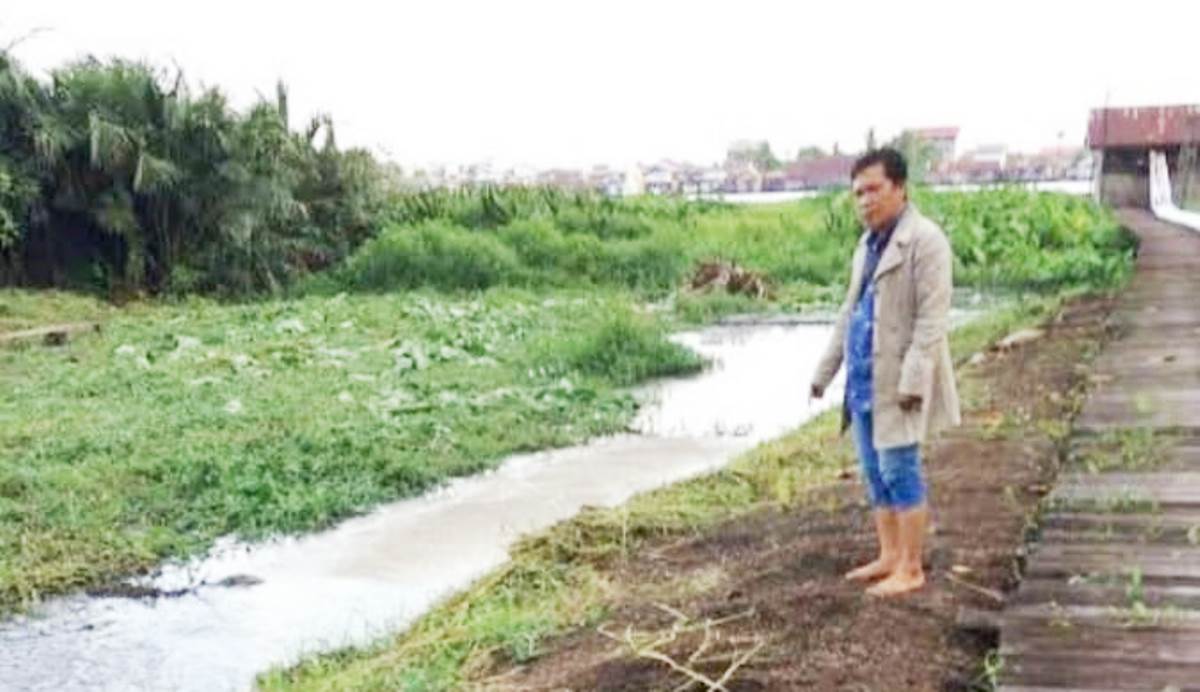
[(817, 391), (910, 402)]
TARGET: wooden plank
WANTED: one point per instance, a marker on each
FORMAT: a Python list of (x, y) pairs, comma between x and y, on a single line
[(1077, 673), (1170, 518), (1043, 639), (1126, 497), (1038, 688), (1174, 447), (1143, 319), (1145, 479), (1112, 533), (1157, 397), (1094, 616), (1101, 417), (1146, 383), (1165, 564), (1170, 455), (1036, 590), (1156, 350), (1181, 554), (1144, 376)]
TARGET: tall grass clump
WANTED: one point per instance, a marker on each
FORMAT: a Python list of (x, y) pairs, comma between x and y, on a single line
[(529, 252), (437, 254), (623, 348)]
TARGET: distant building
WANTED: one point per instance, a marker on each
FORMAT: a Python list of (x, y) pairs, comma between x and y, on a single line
[(742, 177), (990, 154), (635, 182), (1057, 163), (944, 140), (664, 178), (968, 170), (700, 180), (606, 181), (1122, 139), (523, 175), (774, 181), (562, 178), (819, 173)]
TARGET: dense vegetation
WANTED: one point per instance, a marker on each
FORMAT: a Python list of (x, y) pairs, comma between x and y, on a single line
[(1006, 239), (114, 175)]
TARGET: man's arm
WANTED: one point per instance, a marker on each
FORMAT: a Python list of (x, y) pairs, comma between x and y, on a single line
[(932, 273), (831, 361), (828, 366)]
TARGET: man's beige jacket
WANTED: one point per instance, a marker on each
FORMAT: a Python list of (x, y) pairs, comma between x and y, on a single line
[(910, 345)]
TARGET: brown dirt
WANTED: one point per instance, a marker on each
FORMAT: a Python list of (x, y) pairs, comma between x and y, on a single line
[(781, 570)]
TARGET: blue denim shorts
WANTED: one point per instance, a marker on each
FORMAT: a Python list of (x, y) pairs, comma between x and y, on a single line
[(892, 475)]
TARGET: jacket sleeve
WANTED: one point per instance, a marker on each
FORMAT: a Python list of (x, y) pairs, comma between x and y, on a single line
[(831, 361), (932, 267)]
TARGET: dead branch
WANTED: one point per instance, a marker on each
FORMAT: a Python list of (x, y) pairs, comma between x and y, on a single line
[(981, 590), (649, 646)]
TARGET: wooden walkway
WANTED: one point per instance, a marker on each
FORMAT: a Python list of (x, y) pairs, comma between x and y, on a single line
[(1111, 594)]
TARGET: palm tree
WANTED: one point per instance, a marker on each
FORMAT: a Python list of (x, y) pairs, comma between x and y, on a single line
[(116, 166)]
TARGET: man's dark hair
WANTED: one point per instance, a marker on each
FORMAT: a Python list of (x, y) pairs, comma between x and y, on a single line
[(894, 166)]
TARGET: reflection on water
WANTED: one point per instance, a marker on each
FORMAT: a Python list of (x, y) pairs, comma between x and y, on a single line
[(374, 574)]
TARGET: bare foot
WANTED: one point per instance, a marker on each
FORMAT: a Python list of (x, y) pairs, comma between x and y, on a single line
[(898, 583), (872, 570)]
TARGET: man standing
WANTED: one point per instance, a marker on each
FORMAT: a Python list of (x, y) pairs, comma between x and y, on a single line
[(891, 333)]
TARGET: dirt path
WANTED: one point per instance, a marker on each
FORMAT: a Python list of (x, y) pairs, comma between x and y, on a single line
[(763, 594)]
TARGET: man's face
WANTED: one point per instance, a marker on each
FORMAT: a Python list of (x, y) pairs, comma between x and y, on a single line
[(876, 197)]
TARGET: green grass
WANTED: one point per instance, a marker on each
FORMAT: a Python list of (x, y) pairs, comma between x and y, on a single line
[(708, 307), (181, 423), (27, 309), (1129, 449), (620, 347), (556, 578)]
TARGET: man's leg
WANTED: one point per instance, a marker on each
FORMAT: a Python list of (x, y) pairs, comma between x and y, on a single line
[(901, 471), (886, 527)]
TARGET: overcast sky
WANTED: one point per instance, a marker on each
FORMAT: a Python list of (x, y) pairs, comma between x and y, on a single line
[(578, 82)]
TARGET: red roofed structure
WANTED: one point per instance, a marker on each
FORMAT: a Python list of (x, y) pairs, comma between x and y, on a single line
[(1124, 138), (1144, 127)]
